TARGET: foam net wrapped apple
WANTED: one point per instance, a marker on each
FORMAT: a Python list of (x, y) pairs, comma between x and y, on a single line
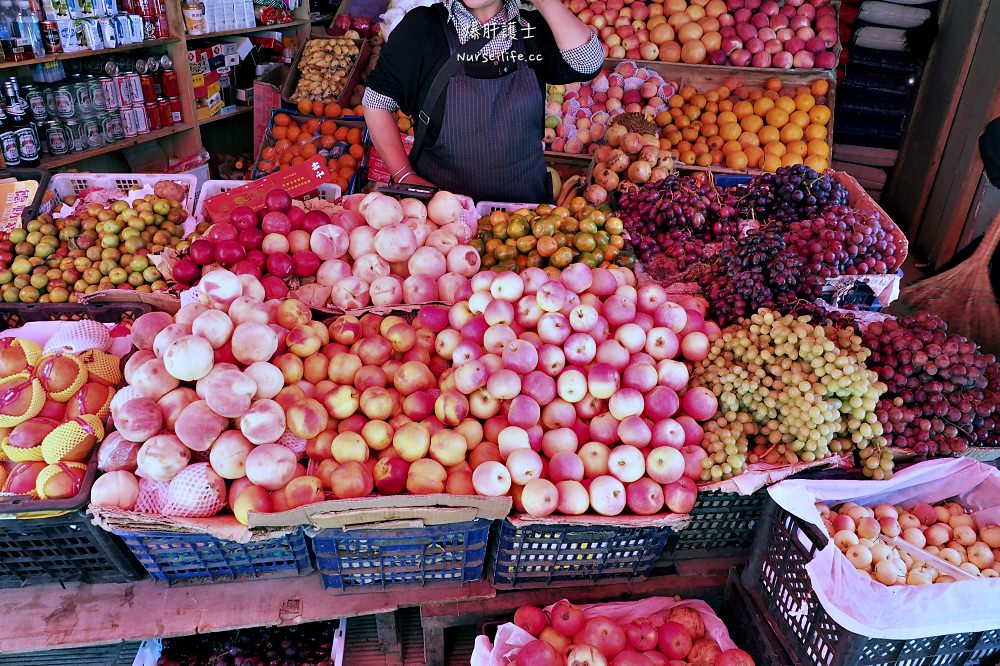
[(54, 407), (373, 250)]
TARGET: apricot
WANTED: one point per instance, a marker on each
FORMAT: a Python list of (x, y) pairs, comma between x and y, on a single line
[(139, 419), (198, 426)]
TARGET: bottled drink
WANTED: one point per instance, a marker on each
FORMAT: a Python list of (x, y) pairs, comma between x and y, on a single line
[(28, 145), (26, 23), (6, 18), (8, 142)]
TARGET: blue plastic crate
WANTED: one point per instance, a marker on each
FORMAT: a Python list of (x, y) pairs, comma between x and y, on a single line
[(541, 554), (453, 553), (731, 179), (203, 558)]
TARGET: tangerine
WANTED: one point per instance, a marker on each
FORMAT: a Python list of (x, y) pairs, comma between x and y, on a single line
[(354, 135), (327, 128), (785, 103), (357, 151), (770, 163), (775, 148), (773, 83), (790, 133), (304, 105), (797, 148), (748, 139), (819, 87), (279, 131), (754, 156), (819, 148), (317, 108), (777, 118), (340, 134), (762, 106), (820, 114), (789, 159), (804, 101), (282, 119), (767, 134), (737, 160), (332, 110), (815, 131), (267, 153), (743, 109), (816, 163), (752, 123)]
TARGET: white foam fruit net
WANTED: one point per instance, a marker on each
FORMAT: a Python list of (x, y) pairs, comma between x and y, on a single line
[(193, 494), (294, 443), (80, 337), (149, 495)]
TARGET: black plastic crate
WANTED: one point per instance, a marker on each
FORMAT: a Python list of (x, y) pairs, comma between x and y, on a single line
[(360, 559), (749, 628), (119, 654), (537, 555), (722, 524), (776, 575), (41, 176), (15, 315)]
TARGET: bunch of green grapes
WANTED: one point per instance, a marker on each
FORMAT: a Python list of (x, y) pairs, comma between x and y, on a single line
[(790, 391)]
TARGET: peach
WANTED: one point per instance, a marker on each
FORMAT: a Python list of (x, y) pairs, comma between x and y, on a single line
[(307, 418), (278, 501), (214, 326), (390, 475), (376, 403), (270, 466), (13, 359), (147, 327), (342, 402), (236, 488), (189, 358), (412, 441), (228, 455), (59, 373), (344, 367), (168, 336), (229, 393), (245, 309), (267, 377), (253, 342), (291, 367), (264, 422), (325, 470), (378, 435), (426, 476), (22, 478), (139, 419), (57, 410), (151, 380), (368, 376), (314, 370), (448, 447), (219, 289), (292, 313), (350, 480), (540, 497), (491, 478), (188, 313), (483, 453), (459, 483), (349, 446), (173, 403), (117, 453), (303, 341), (29, 435), (289, 395), (451, 407), (413, 376), (135, 361), (303, 490), (162, 457), (198, 426), (318, 448), (254, 498), (118, 490)]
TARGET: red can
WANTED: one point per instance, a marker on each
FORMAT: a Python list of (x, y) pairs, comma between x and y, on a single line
[(124, 90), (141, 119), (162, 28), (170, 85), (175, 109), (166, 116), (146, 84), (135, 88), (153, 115)]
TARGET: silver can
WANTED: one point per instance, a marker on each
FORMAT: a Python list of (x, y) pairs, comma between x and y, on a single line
[(129, 128), (56, 137), (81, 96), (74, 134), (97, 99), (65, 102), (111, 125), (92, 132), (141, 120), (135, 88)]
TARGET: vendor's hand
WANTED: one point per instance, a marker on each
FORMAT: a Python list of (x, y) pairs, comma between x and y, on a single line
[(414, 179)]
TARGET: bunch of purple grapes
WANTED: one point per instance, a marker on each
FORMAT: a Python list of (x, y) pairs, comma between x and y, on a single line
[(844, 241), (943, 395), (792, 193), (756, 271), (304, 645)]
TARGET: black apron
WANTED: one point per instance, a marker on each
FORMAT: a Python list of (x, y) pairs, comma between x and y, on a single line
[(489, 146)]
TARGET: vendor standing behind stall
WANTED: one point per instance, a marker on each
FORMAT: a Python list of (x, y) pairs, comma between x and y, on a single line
[(472, 74)]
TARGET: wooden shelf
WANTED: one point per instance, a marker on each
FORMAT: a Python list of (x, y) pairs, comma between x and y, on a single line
[(83, 615), (62, 160), (247, 31), (227, 114), (87, 54)]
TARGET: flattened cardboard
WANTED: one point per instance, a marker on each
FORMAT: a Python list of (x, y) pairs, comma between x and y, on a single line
[(159, 300), (222, 527), (375, 511), (675, 521), (297, 181)]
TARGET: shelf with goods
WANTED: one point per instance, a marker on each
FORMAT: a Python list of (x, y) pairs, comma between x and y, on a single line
[(248, 31), (145, 44)]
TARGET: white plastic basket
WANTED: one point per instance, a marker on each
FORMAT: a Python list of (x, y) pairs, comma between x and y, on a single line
[(69, 184), (326, 192), (484, 208)]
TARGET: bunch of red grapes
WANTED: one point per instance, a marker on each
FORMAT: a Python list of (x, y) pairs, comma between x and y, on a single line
[(944, 394)]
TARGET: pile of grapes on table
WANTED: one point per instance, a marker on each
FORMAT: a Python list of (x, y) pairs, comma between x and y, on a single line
[(769, 243), (304, 645)]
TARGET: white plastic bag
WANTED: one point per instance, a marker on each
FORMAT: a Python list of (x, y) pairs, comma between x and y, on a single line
[(869, 608), (511, 638)]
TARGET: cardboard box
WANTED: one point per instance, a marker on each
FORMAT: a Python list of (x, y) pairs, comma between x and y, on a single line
[(207, 91), (245, 95), (364, 53), (300, 180), (213, 106)]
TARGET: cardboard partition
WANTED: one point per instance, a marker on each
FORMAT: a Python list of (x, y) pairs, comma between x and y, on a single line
[(302, 179), (388, 511)]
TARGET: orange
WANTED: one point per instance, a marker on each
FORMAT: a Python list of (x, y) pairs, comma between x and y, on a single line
[(674, 137), (716, 142), (683, 146), (752, 123), (676, 102), (689, 133), (346, 172), (816, 163), (357, 151), (340, 134), (775, 148), (286, 156), (724, 92), (348, 161), (308, 150), (343, 184), (709, 130), (692, 112), (327, 142), (279, 131), (732, 147), (354, 135), (282, 119), (754, 156), (687, 92), (777, 118), (704, 160), (282, 144), (709, 117), (748, 139), (730, 131), (804, 101), (311, 126), (789, 159), (293, 133), (327, 128), (699, 101), (267, 153), (815, 132), (305, 105), (700, 148), (762, 106), (800, 118), (819, 148), (265, 165), (663, 118), (743, 109), (737, 160), (317, 108), (682, 122), (797, 148), (785, 103), (767, 134), (770, 163), (820, 114), (730, 83), (791, 132), (332, 110), (773, 83), (687, 157), (771, 95), (303, 139), (726, 105), (727, 117), (819, 87)]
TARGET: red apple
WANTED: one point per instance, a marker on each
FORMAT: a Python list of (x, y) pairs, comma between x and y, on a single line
[(674, 640), (680, 495), (603, 633), (538, 653), (641, 635), (567, 619), (531, 618)]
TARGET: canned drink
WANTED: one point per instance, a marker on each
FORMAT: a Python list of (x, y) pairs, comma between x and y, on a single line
[(74, 135), (162, 28), (65, 102), (148, 91), (91, 34), (152, 115), (92, 132), (140, 66), (107, 121), (36, 102), (166, 62), (141, 120), (152, 65), (81, 95), (175, 109), (171, 88), (148, 27), (135, 88), (50, 37), (56, 137), (50, 101), (163, 108), (109, 68), (108, 34), (124, 89), (116, 125), (109, 91), (129, 129), (97, 95)]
